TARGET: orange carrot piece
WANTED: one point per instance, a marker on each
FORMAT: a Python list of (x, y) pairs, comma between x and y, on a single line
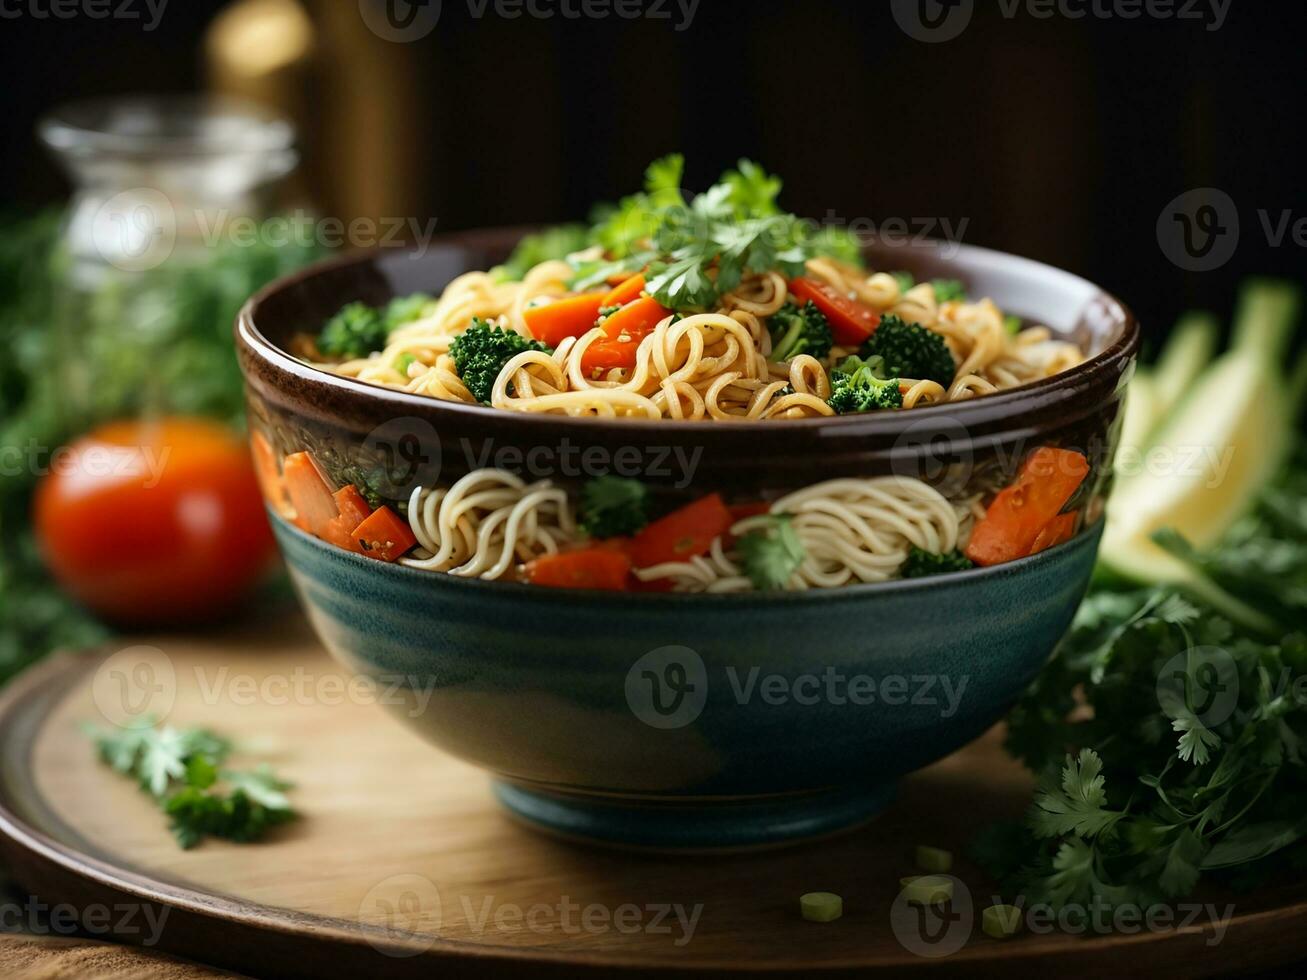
[(309, 494), (568, 317), (682, 534), (607, 569), (623, 332), (351, 505), (385, 535), (353, 511), (627, 291), (1008, 531), (1057, 531), (270, 480)]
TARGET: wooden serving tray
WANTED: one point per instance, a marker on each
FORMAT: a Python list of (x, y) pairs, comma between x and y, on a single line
[(403, 865)]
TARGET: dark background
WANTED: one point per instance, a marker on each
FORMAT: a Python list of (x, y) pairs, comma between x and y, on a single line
[(1059, 139)]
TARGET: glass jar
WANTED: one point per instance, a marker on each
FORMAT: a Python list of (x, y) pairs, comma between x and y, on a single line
[(165, 190)]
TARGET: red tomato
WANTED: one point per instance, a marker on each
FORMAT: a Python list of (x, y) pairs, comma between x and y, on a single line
[(154, 521), (851, 321)]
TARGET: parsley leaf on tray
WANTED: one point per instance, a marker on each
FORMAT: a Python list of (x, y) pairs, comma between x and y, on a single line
[(182, 769)]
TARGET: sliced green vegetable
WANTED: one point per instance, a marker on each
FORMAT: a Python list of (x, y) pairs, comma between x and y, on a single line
[(927, 889), (821, 906), (934, 859), (1001, 921)]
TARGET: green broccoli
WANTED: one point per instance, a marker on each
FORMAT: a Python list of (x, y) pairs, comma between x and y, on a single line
[(481, 351), (911, 351), (612, 506), (358, 329), (861, 386), (797, 331), (772, 554), (921, 563), (948, 290)]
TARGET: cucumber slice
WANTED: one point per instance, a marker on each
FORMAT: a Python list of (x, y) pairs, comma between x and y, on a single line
[(1187, 354), (1211, 458)]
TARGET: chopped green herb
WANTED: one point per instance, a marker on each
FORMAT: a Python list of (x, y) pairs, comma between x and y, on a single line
[(921, 563), (182, 770), (1001, 921), (611, 507), (949, 290)]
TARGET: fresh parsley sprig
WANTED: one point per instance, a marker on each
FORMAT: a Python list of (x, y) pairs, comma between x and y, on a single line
[(697, 248), (182, 770), (1186, 734)]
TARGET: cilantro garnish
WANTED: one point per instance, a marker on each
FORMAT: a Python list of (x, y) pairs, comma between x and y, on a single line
[(182, 770)]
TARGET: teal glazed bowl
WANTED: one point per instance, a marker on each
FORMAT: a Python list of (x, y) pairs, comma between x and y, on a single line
[(674, 721)]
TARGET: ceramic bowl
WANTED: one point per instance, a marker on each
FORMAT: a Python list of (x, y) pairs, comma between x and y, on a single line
[(688, 721)]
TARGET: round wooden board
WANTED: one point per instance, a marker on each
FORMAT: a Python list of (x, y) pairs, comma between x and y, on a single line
[(403, 865)]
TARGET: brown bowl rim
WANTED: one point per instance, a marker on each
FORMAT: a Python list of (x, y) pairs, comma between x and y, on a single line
[(1028, 402)]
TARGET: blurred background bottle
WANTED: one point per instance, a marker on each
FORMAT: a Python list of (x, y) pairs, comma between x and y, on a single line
[(163, 223)]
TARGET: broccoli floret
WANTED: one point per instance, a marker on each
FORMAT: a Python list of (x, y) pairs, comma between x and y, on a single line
[(797, 331), (612, 506), (480, 353), (921, 563), (861, 386), (948, 290), (772, 554), (358, 329), (911, 351)]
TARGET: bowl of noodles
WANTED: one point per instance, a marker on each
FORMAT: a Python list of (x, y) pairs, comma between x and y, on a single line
[(697, 525)]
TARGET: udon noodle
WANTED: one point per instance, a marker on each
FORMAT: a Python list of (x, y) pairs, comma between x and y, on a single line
[(714, 365)]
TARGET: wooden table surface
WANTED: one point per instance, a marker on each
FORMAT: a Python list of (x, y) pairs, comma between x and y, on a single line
[(403, 863)]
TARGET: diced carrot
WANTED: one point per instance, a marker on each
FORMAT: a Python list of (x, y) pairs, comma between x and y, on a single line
[(351, 505), (385, 535), (623, 332), (270, 479), (568, 317), (607, 569), (1057, 531), (1012, 523), (851, 321), (309, 494), (627, 291), (682, 534), (353, 511)]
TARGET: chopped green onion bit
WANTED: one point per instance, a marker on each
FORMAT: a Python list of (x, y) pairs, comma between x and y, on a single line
[(821, 906), (927, 889), (1001, 921), (934, 859)]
